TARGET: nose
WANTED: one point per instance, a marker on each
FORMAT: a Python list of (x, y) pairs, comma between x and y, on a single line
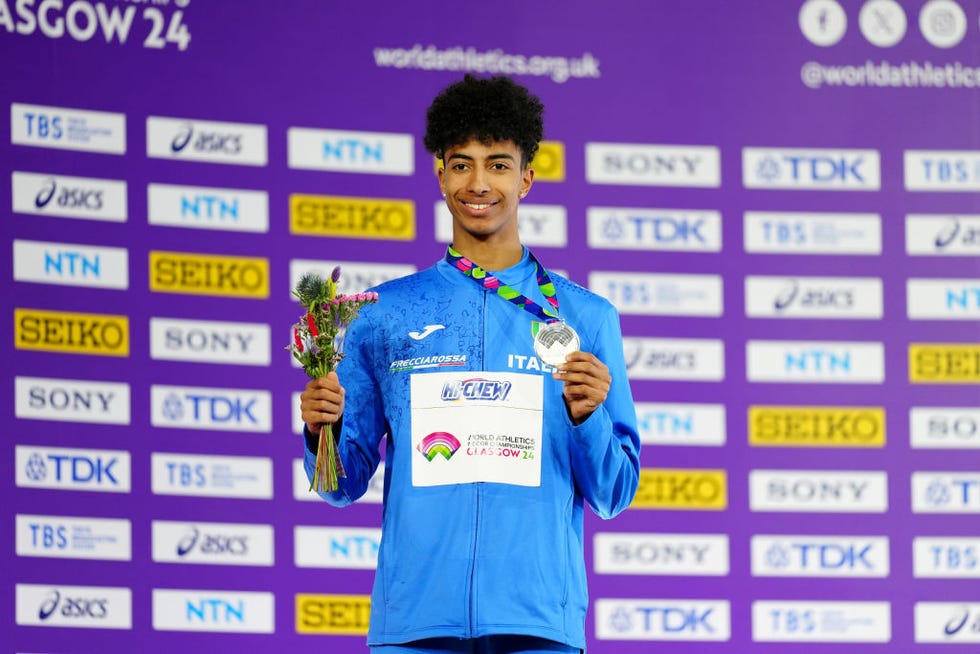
[(479, 181)]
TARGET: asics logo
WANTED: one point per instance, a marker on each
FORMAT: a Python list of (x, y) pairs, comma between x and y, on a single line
[(426, 331)]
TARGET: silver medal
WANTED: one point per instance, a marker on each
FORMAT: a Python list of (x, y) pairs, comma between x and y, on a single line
[(554, 341)]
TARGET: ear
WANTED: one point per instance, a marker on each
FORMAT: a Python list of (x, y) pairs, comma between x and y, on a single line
[(440, 175), (527, 179)]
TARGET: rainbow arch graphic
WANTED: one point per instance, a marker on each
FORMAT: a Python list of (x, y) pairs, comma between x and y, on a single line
[(438, 442)]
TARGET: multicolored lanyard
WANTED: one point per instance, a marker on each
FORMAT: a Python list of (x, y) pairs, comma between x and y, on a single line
[(491, 283)]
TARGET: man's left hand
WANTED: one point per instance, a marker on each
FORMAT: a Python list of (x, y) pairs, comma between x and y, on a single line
[(587, 382)]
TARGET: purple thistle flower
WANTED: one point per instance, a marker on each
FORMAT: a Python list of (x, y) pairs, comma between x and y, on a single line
[(335, 275)]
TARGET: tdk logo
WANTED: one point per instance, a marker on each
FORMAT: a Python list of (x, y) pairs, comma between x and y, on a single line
[(845, 170), (819, 556), (945, 492), (206, 142), (476, 389), (95, 470), (211, 408), (654, 229), (663, 619)]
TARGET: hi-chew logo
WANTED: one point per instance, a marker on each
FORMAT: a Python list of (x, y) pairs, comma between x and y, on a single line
[(944, 427), (947, 622), (337, 547), (946, 557), (226, 209), (945, 492), (685, 359), (827, 362), (67, 129), (684, 230), (821, 622), (681, 424), (211, 476), (663, 619), (78, 333), (71, 400), (661, 554), (811, 169), (230, 343), (658, 294), (212, 543), (767, 232), (477, 388), (653, 165), (820, 556), (69, 264), (942, 299), (819, 491), (228, 409), (73, 538), (351, 152), (942, 170), (69, 197), (86, 607), (73, 469), (854, 298), (936, 235), (439, 443), (206, 141), (205, 610)]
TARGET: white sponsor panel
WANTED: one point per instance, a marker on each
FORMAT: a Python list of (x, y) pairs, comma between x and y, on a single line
[(355, 277), (942, 299), (944, 427), (808, 362), (942, 235), (653, 164), (539, 225), (821, 622), (105, 471), (811, 169), (661, 554), (206, 141), (663, 619), (684, 359), (211, 476), (67, 129), (946, 492), (65, 537), (351, 152), (337, 547), (942, 170), (771, 232), (70, 264), (681, 230), (681, 423), (842, 298), (947, 622), (69, 197), (946, 557), (213, 610), (78, 607), (72, 400), (200, 341), (301, 485), (818, 491), (213, 543), (201, 207), (820, 556), (224, 409), (650, 294)]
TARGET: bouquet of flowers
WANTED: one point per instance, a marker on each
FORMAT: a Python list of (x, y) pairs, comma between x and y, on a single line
[(317, 344)]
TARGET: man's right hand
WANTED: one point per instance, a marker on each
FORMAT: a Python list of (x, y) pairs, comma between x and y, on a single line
[(322, 402)]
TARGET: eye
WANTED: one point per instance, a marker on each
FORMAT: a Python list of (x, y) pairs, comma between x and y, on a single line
[(499, 165)]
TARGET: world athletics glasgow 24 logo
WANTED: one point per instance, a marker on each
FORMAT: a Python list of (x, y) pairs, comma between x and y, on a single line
[(438, 442)]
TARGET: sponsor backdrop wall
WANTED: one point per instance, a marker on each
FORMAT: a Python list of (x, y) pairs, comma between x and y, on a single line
[(781, 198)]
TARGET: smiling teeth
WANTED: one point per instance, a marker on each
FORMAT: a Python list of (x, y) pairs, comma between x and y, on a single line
[(478, 206)]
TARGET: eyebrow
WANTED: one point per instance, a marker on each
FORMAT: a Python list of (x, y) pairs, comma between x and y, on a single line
[(466, 157)]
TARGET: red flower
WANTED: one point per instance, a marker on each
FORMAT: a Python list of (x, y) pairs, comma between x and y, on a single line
[(309, 321), (299, 341)]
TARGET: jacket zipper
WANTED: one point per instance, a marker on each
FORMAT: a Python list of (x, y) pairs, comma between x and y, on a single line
[(477, 485)]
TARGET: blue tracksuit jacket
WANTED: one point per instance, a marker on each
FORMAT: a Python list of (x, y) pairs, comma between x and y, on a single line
[(473, 559)]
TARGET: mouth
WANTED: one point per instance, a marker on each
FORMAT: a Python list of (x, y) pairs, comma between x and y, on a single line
[(477, 206)]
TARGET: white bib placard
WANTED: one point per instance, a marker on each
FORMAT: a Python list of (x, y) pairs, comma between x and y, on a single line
[(476, 426)]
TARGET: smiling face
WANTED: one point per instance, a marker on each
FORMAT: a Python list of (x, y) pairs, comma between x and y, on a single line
[(483, 184)]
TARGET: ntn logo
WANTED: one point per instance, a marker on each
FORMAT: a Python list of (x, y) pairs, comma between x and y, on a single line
[(202, 205), (73, 263)]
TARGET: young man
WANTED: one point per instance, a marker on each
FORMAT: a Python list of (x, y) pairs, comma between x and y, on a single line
[(491, 453)]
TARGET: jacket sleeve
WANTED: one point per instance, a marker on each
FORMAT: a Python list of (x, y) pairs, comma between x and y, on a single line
[(363, 424), (606, 452)]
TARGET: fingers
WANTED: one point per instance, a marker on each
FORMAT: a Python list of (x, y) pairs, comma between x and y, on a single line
[(322, 401), (586, 383)]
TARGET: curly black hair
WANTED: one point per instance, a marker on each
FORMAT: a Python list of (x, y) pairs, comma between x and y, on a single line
[(489, 109)]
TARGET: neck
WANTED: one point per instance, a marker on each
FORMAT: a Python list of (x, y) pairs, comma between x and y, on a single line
[(490, 256)]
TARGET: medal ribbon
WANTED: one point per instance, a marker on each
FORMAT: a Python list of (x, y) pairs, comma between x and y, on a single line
[(491, 283)]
